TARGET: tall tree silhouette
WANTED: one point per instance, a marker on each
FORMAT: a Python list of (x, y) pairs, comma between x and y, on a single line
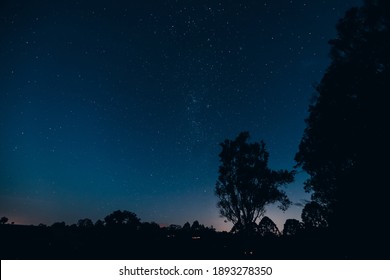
[(246, 185), (346, 137)]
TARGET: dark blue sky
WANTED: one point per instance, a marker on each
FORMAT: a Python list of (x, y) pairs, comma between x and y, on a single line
[(110, 105)]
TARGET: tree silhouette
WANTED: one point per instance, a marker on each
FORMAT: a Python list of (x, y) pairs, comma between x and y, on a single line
[(186, 226), (196, 226), (267, 227), (246, 185), (292, 227), (3, 220), (345, 140), (150, 227), (59, 225), (85, 223), (99, 224), (174, 228), (122, 218), (314, 216)]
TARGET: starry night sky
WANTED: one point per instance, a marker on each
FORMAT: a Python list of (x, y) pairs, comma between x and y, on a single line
[(108, 105)]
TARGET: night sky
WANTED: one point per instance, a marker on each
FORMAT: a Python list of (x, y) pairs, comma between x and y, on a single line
[(108, 105)]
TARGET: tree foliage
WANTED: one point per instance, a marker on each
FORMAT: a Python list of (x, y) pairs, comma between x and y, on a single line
[(346, 134), (3, 220), (152, 227), (292, 227), (187, 226), (246, 184), (267, 227), (196, 226), (85, 223), (314, 216), (99, 224), (58, 225), (122, 218)]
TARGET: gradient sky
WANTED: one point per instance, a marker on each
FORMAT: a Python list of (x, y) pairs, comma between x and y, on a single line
[(109, 105)]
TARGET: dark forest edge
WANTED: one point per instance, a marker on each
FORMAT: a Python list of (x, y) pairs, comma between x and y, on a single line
[(121, 235)]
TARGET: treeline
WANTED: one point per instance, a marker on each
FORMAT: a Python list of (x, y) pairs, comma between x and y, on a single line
[(122, 235), (129, 221), (124, 220)]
